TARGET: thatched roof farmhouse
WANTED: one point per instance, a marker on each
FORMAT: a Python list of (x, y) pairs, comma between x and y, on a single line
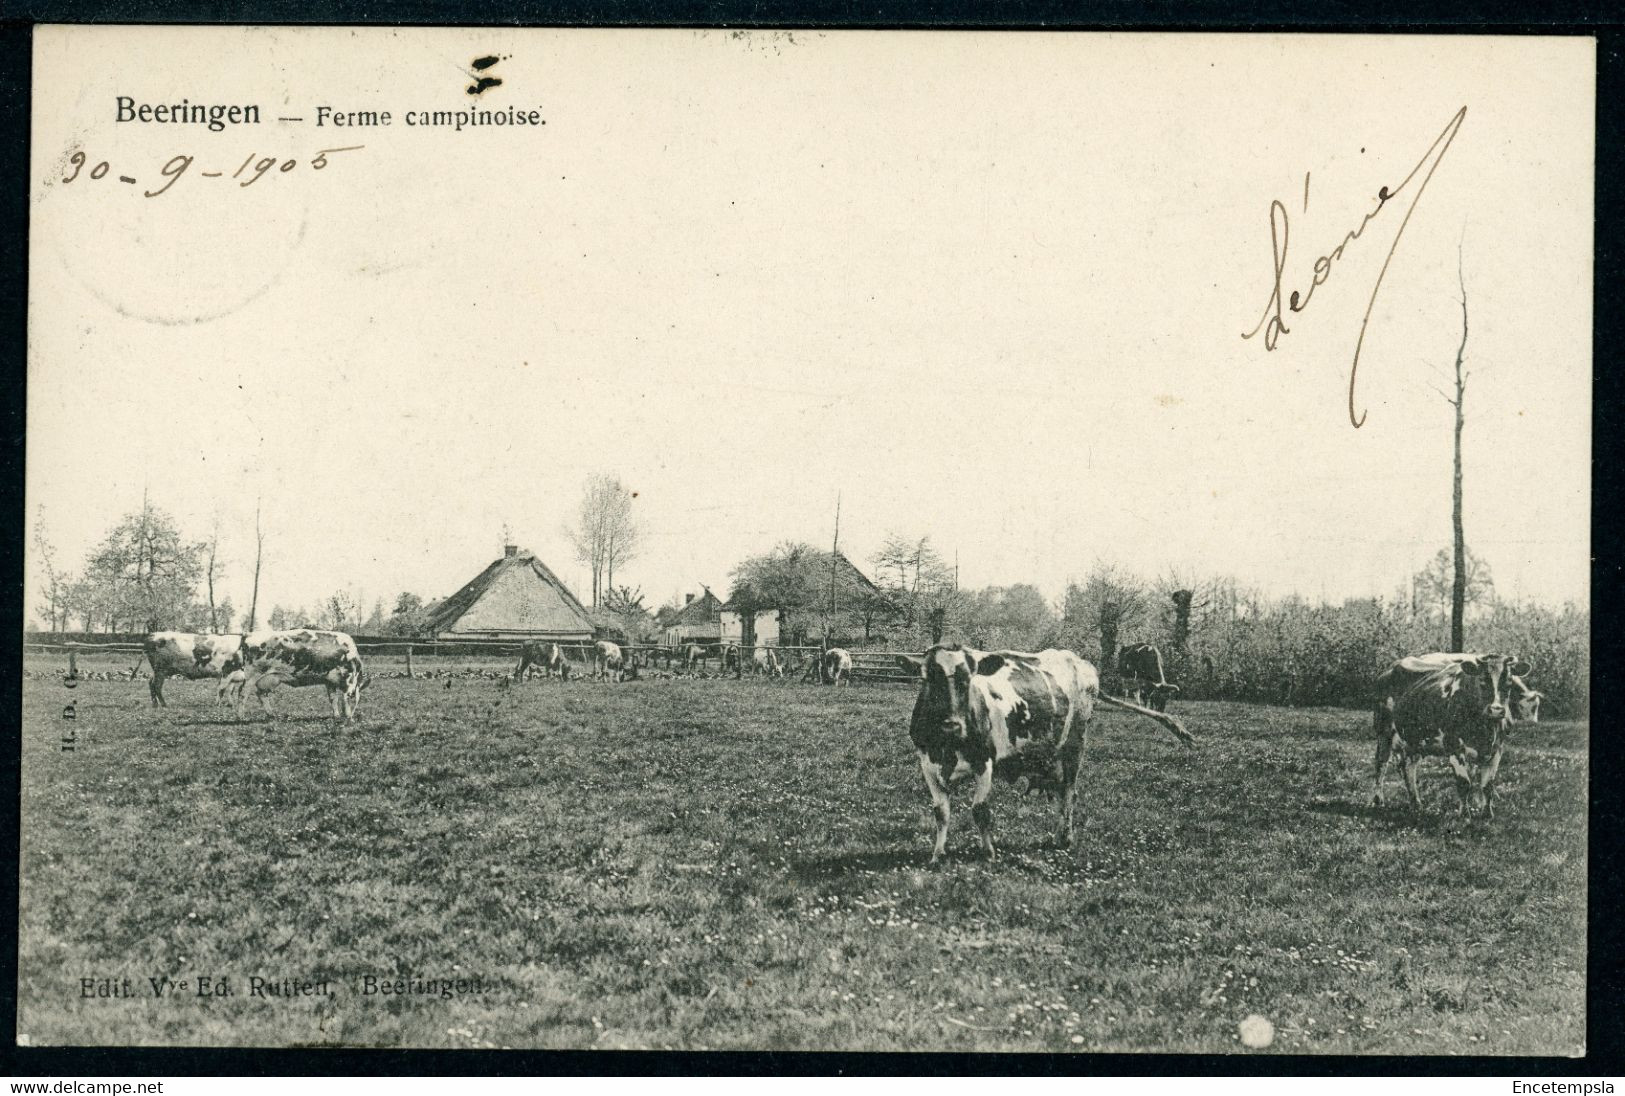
[(516, 597)]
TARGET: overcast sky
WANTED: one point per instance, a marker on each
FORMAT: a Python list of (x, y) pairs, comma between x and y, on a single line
[(986, 287)]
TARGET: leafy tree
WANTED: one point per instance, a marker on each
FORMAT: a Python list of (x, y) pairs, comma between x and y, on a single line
[(1106, 607), (339, 610), (624, 606), (795, 578), (408, 617), (143, 575), (1018, 617)]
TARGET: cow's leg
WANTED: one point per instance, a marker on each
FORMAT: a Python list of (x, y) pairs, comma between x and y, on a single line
[(1486, 781), (1386, 743), (524, 664), (156, 688), (1465, 787), (1382, 722), (1411, 761), (980, 811), (1070, 764), (938, 787)]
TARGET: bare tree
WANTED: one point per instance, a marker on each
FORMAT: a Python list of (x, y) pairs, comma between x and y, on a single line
[(920, 583), (213, 567), (607, 535), (1434, 586), (1459, 577), (259, 552), (57, 583)]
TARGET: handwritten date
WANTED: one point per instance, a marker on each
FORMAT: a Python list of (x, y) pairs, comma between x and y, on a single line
[(256, 165)]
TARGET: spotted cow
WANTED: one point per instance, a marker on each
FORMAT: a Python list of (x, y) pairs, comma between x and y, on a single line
[(768, 662), (1450, 706), (1522, 701), (298, 658), (835, 667), (192, 656), (607, 660), (548, 657), (1139, 667), (1021, 717)]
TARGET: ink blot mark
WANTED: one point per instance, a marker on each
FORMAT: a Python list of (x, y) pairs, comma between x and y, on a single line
[(482, 84)]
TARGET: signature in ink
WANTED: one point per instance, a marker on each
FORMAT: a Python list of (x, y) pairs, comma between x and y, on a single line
[(1273, 322)]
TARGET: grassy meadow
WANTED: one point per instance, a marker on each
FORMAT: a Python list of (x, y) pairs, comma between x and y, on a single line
[(718, 864)]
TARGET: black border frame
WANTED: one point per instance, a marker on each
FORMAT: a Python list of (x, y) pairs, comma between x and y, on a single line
[(1606, 937)]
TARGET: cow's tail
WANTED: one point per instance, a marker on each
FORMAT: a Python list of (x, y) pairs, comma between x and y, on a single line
[(1175, 727)]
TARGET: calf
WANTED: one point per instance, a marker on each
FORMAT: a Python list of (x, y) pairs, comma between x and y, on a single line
[(549, 657), (1021, 717), (298, 658), (836, 667), (192, 656), (1452, 706)]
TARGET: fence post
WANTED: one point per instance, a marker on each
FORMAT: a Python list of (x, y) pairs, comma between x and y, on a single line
[(409, 672), (73, 664)]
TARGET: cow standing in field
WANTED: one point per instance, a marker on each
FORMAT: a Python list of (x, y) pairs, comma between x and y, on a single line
[(1139, 665), (1523, 702), (192, 656), (768, 662), (835, 667), (607, 660), (695, 656), (549, 657), (1007, 714), (298, 658), (1454, 706)]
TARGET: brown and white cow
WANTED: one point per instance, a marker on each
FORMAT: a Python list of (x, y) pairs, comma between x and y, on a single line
[(768, 662), (1453, 706), (835, 667), (193, 656), (301, 657), (549, 657), (1009, 714), (695, 656), (607, 660), (1522, 701), (1139, 665)]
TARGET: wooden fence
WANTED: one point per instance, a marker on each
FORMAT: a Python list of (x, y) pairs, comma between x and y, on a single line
[(868, 666)]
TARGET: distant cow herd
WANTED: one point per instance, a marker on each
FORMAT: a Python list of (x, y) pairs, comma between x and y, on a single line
[(978, 715)]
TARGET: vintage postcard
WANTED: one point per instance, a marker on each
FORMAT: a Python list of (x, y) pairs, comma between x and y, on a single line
[(819, 540)]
